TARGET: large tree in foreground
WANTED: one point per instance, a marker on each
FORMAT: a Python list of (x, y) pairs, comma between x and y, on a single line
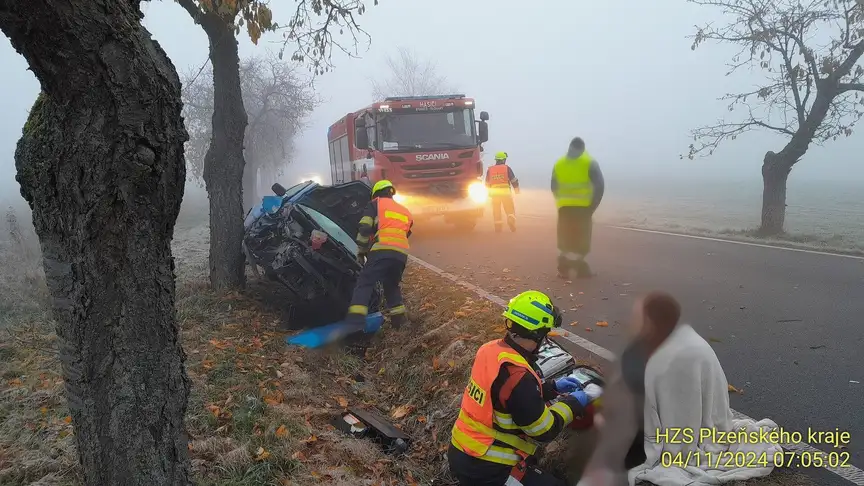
[(101, 164), (277, 101), (809, 53), (408, 74)]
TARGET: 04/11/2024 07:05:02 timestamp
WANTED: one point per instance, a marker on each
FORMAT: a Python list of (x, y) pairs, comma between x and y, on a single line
[(729, 459)]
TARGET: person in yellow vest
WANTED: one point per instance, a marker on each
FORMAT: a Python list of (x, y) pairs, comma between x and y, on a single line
[(382, 241), (577, 184), (504, 416), (499, 179)]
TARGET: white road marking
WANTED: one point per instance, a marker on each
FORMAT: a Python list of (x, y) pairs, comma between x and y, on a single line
[(849, 473), (736, 242), (718, 239)]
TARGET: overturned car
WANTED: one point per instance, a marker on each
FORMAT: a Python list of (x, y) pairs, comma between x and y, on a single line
[(303, 238)]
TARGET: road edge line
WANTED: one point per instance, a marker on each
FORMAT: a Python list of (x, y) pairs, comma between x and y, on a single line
[(838, 253), (851, 473)]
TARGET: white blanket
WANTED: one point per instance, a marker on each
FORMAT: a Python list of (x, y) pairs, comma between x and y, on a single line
[(686, 390)]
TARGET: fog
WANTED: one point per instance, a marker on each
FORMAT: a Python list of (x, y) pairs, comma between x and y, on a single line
[(619, 74)]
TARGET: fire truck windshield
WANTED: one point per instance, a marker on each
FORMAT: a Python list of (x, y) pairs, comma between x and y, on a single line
[(426, 130)]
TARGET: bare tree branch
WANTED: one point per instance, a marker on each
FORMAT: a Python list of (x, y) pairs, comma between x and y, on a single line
[(409, 75), (805, 81), (844, 87), (277, 102), (311, 30)]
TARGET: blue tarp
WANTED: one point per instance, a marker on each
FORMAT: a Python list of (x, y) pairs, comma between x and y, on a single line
[(314, 338)]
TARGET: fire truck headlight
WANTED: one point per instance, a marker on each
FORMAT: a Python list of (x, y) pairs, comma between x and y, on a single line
[(477, 192), (399, 198)]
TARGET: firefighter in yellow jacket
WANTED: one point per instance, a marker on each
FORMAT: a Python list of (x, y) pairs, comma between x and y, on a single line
[(382, 241), (499, 179), (577, 185), (504, 415)]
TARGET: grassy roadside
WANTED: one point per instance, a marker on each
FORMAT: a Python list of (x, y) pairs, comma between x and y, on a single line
[(259, 412)]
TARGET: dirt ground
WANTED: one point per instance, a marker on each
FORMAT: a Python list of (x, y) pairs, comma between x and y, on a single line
[(260, 412)]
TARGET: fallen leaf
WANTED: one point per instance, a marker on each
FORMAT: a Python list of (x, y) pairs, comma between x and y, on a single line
[(435, 363), (207, 364), (214, 410), (44, 410), (421, 419), (451, 363), (310, 439), (299, 456), (343, 402), (381, 371), (581, 293), (281, 431), (735, 390), (274, 398), (15, 382), (67, 419), (602, 324), (401, 411), (218, 344), (589, 329), (261, 454), (574, 323), (553, 334)]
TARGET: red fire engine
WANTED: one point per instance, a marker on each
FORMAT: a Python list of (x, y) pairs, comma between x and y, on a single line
[(428, 146)]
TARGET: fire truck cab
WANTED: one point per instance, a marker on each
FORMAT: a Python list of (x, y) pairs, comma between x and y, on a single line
[(428, 146)]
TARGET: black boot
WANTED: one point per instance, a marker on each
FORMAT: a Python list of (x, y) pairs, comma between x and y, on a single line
[(397, 320), (563, 268), (583, 270)]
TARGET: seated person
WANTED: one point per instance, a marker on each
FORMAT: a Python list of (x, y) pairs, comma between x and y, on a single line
[(686, 389)]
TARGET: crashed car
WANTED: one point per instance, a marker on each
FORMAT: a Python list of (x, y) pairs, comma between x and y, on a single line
[(303, 238)]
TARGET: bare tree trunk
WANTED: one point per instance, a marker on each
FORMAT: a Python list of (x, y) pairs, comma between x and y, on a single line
[(775, 173), (224, 162), (101, 165)]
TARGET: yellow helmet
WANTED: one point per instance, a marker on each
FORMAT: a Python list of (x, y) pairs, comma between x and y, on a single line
[(381, 185), (501, 156), (532, 314)]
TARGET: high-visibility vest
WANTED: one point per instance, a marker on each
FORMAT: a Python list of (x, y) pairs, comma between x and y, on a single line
[(479, 430), (394, 222), (499, 179), (574, 181)]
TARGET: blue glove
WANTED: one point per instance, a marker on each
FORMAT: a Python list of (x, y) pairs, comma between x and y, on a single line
[(567, 384), (581, 397)]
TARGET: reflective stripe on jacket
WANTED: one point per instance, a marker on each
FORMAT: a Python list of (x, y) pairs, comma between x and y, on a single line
[(499, 179), (574, 181), (394, 223), (479, 430)]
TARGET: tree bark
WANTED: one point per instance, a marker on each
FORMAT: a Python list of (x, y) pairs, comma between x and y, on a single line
[(224, 162), (775, 173), (101, 165), (250, 181)]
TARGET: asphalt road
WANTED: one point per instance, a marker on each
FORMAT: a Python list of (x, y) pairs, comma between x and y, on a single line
[(788, 327)]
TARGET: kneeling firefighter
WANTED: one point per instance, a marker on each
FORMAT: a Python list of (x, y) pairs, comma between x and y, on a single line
[(382, 241), (504, 416)]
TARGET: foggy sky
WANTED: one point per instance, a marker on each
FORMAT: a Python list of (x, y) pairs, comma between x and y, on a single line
[(619, 74)]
